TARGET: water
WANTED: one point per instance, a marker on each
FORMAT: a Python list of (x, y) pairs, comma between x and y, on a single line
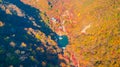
[(62, 41)]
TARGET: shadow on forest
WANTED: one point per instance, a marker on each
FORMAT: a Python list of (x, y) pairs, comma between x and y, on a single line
[(15, 25)]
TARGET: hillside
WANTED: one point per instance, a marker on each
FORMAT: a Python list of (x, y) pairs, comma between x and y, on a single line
[(66, 33)]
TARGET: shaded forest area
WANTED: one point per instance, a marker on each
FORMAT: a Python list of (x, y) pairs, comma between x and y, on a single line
[(20, 47)]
